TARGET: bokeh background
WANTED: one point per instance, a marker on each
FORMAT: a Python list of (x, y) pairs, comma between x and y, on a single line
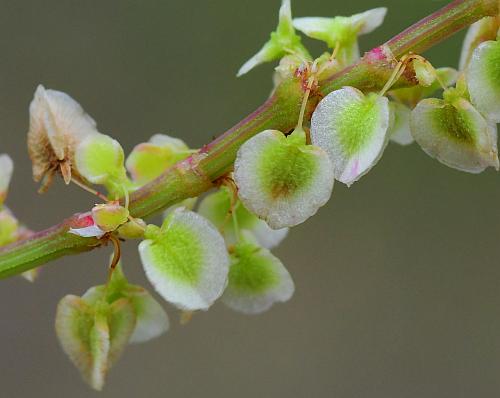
[(397, 278)]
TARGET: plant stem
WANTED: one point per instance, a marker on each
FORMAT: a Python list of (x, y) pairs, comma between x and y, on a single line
[(426, 33), (43, 247), (194, 175), (441, 25)]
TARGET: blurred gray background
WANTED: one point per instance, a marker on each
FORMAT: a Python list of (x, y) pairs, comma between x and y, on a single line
[(397, 278)]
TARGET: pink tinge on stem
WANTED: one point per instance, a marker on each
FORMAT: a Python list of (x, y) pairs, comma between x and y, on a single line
[(376, 54), (86, 227), (381, 53)]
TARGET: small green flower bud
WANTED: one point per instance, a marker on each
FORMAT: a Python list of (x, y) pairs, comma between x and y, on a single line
[(99, 159), (148, 160), (133, 229), (287, 68), (424, 72), (108, 217)]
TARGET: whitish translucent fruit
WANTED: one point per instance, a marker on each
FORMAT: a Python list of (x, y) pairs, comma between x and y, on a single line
[(483, 78), (148, 160), (283, 41), (6, 169), (483, 30), (342, 31), (99, 159), (257, 280), (186, 260), (352, 129), (281, 179), (216, 207), (94, 335), (399, 131), (57, 124), (151, 319), (455, 133)]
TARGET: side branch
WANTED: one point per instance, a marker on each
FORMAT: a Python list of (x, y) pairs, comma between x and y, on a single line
[(194, 175)]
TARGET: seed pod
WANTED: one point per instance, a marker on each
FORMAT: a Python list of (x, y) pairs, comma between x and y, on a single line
[(257, 280), (216, 208), (185, 260), (483, 30), (400, 132), (455, 134), (151, 318), (281, 179), (57, 124), (483, 79), (93, 336), (352, 129)]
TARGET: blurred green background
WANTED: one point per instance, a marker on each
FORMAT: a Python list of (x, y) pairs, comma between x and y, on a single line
[(397, 278)]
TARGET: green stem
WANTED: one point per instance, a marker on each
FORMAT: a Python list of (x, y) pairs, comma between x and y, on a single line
[(194, 176), (43, 247), (441, 25), (426, 33)]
